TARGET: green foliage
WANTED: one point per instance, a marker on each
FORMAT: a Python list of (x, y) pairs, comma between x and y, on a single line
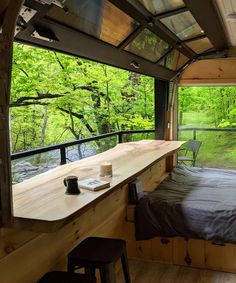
[(218, 149), (57, 98), (210, 107), (218, 103)]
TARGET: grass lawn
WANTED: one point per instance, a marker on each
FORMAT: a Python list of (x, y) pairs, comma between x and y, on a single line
[(218, 149)]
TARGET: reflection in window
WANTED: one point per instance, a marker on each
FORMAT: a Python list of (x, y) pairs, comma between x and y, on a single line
[(183, 25), (174, 60), (148, 46), (98, 18), (161, 6), (200, 45)]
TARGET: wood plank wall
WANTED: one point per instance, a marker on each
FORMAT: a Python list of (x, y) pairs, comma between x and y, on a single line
[(210, 72), (7, 25), (25, 256)]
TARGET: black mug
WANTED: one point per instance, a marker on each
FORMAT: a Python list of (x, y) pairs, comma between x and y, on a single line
[(71, 183)]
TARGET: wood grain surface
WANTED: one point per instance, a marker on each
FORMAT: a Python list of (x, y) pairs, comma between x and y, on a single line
[(43, 197)]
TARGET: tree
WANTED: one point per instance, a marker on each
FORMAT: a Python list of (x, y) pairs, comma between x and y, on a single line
[(77, 97), (218, 103)]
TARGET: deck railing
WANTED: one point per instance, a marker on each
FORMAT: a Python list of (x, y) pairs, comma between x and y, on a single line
[(195, 130), (62, 147), (119, 134), (218, 146)]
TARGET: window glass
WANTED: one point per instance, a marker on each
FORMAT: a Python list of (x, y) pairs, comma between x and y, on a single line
[(174, 60), (200, 45), (161, 6), (98, 18), (148, 46), (57, 98), (183, 25)]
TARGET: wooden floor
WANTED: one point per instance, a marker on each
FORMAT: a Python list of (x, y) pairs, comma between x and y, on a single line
[(152, 272)]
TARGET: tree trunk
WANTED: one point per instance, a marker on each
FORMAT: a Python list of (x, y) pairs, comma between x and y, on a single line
[(44, 126), (181, 118), (102, 119), (129, 97), (10, 133)]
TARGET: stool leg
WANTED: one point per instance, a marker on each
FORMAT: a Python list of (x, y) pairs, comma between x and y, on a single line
[(70, 266), (125, 266), (107, 274), (90, 271)]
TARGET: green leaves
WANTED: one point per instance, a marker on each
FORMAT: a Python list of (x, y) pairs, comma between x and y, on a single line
[(218, 103), (83, 98)]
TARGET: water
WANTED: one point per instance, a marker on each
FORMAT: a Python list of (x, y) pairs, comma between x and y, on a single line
[(27, 167)]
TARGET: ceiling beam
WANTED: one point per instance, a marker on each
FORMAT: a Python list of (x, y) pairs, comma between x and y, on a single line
[(73, 42), (171, 13), (201, 36), (145, 18), (206, 15), (131, 37)]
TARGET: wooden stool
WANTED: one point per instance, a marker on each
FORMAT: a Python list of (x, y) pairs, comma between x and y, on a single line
[(101, 253), (65, 277)]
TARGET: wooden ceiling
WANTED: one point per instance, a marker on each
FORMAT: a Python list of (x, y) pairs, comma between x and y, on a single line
[(193, 29)]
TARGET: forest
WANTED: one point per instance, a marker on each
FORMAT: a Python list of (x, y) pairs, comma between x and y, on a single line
[(218, 103), (57, 98), (211, 107)]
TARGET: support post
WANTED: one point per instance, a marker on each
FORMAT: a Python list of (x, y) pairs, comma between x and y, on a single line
[(6, 46), (161, 106), (63, 155), (120, 137), (194, 153)]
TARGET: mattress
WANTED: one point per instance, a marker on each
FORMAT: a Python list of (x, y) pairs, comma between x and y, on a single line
[(193, 203)]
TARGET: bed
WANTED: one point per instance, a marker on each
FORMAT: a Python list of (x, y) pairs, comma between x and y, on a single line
[(192, 203)]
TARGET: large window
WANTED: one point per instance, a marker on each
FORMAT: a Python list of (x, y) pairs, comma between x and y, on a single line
[(208, 114), (57, 98), (98, 18)]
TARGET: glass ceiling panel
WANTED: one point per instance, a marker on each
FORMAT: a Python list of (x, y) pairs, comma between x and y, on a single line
[(200, 45), (148, 46), (183, 25), (98, 18), (161, 6), (174, 60)]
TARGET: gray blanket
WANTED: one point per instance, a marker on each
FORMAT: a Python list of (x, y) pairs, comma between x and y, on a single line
[(193, 203)]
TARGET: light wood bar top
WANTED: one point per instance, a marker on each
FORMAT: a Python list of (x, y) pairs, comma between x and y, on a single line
[(43, 199)]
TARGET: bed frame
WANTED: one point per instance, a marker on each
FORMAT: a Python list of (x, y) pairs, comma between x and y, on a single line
[(179, 250)]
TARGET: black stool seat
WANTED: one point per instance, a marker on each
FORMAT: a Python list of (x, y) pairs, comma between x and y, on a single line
[(65, 277), (101, 253), (101, 250)]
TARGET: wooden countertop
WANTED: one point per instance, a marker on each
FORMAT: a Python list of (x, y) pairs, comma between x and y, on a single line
[(43, 199)]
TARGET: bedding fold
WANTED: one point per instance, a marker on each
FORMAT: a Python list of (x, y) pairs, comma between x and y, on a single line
[(193, 203)]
